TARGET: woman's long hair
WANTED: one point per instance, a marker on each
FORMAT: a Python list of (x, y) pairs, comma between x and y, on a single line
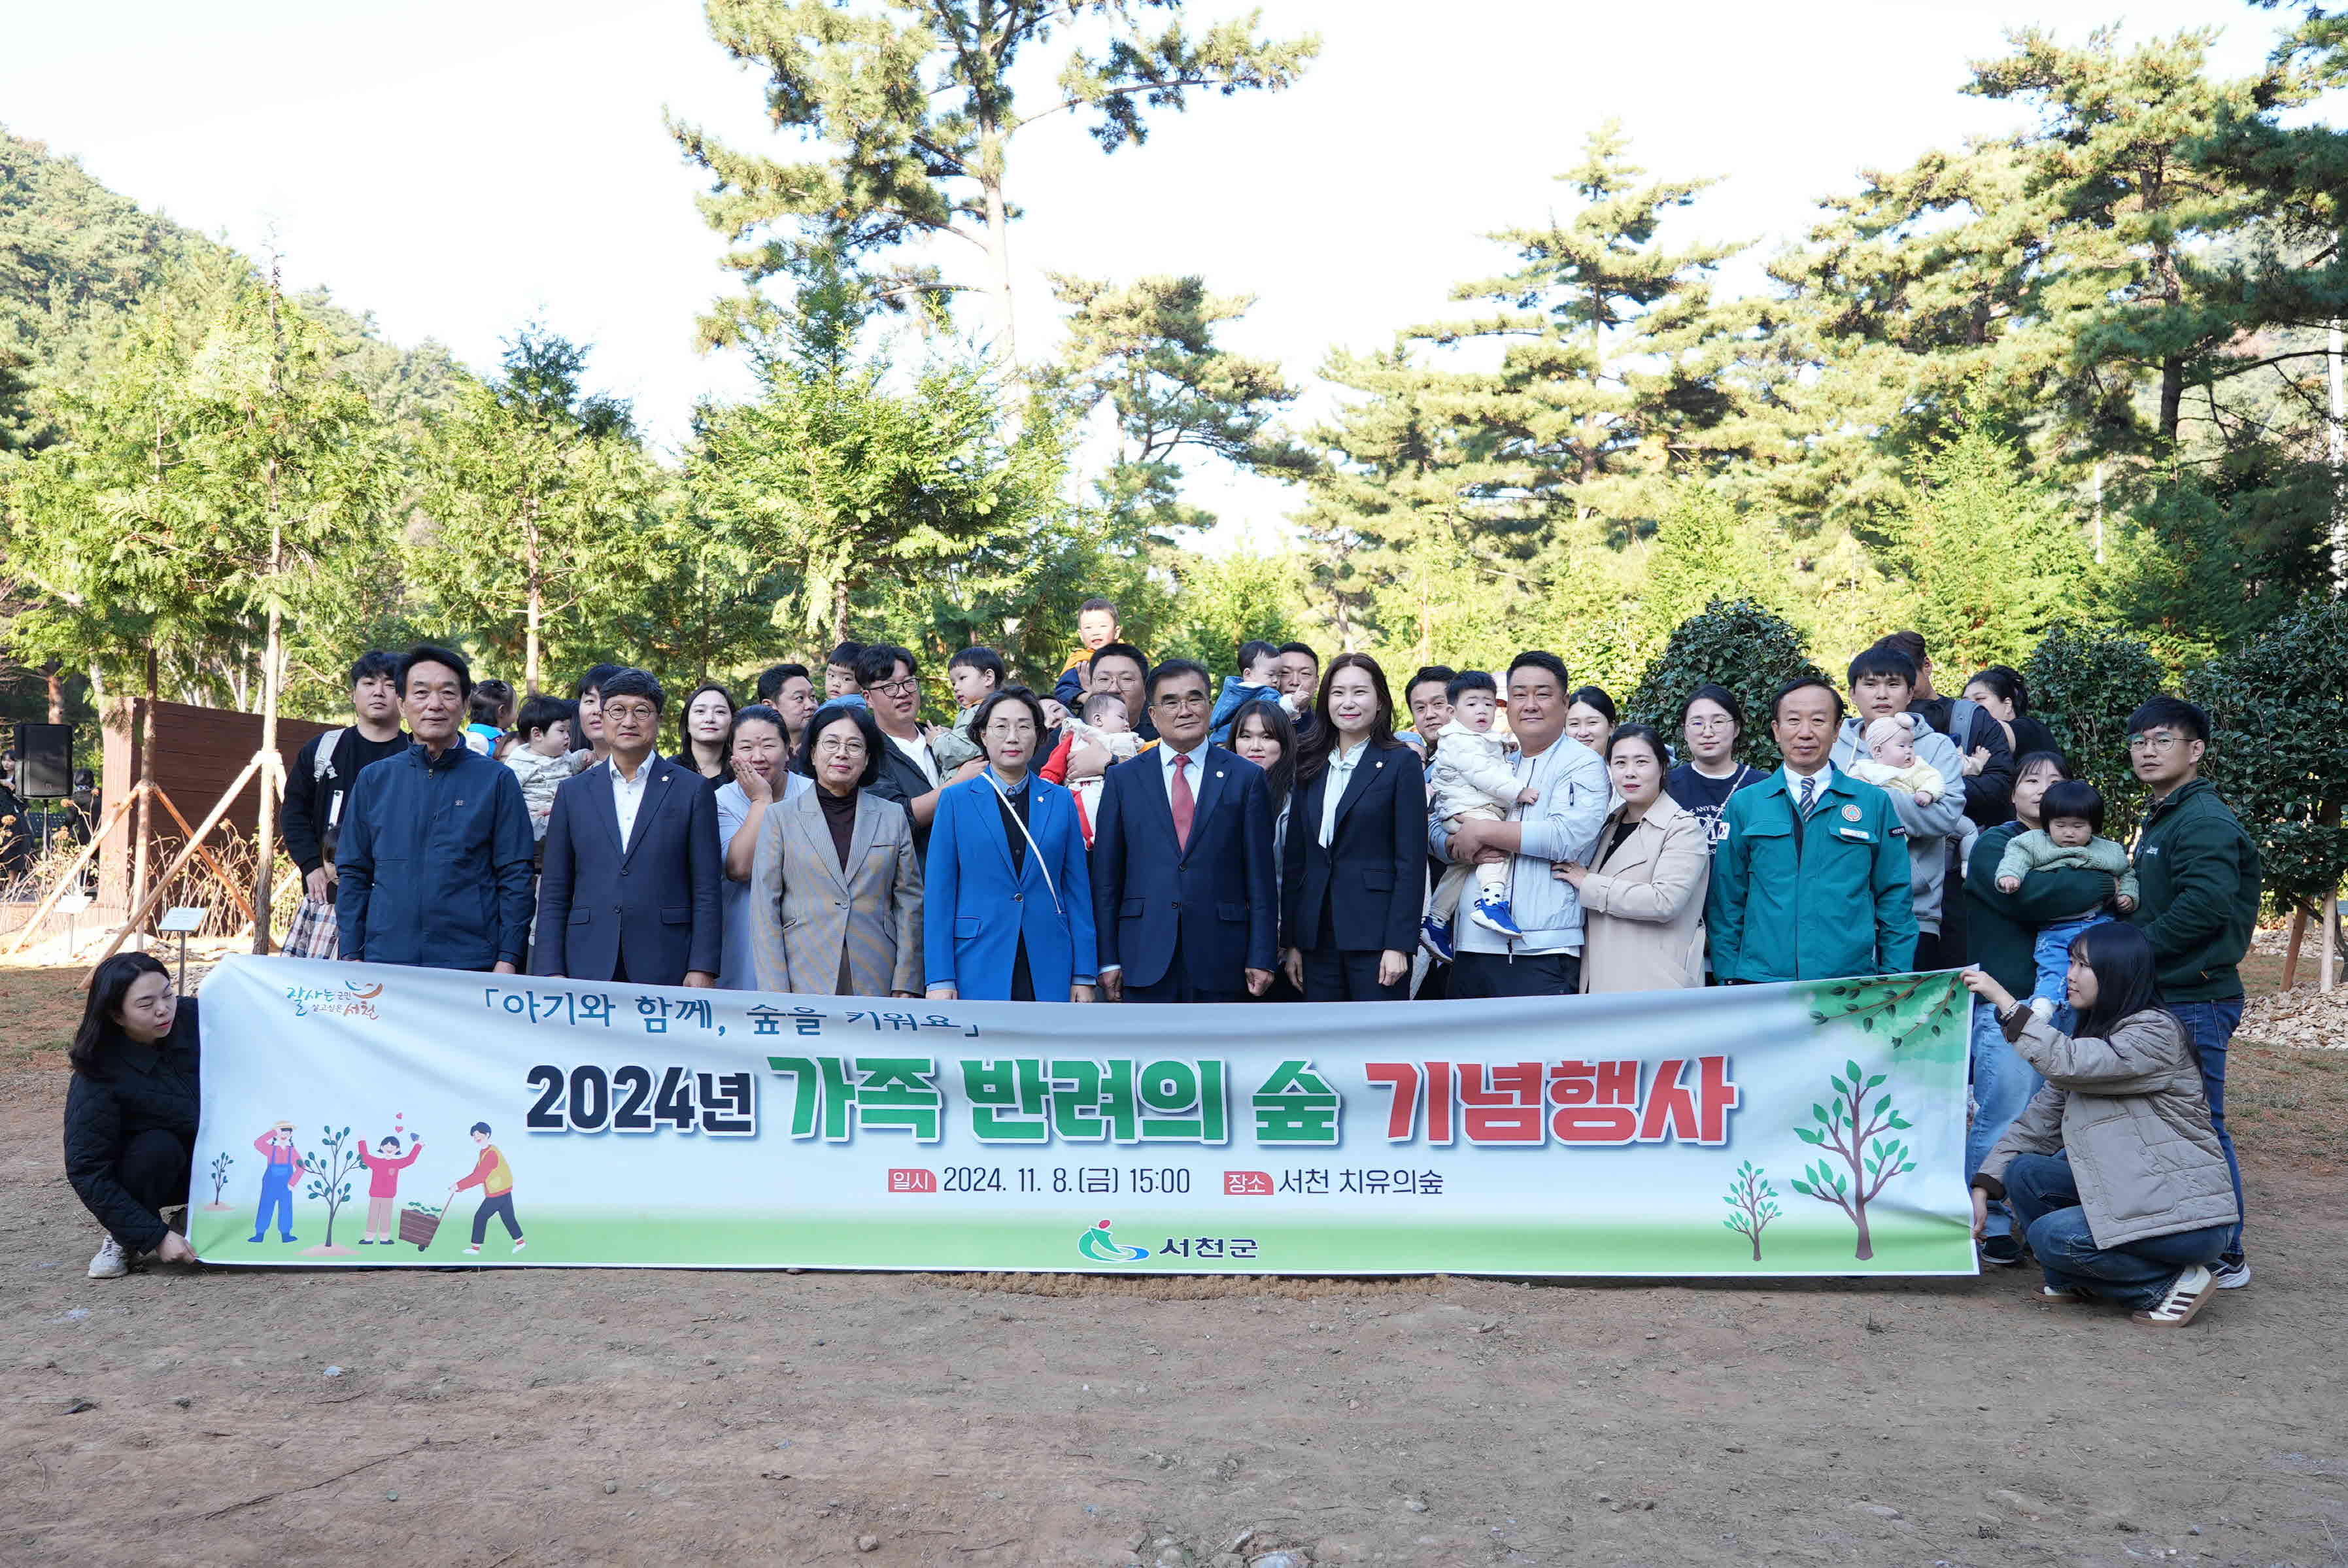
[(2125, 981), (1281, 777), (108, 987), (684, 751), (1324, 739)]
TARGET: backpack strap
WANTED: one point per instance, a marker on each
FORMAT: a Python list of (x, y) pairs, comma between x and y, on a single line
[(321, 770)]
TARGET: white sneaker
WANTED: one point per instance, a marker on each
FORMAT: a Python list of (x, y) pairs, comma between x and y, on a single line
[(110, 1261), (519, 1243)]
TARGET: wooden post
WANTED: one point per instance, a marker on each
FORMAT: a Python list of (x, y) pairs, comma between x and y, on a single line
[(142, 742), (210, 859), (2291, 952), (2331, 925), (195, 842), (73, 873)]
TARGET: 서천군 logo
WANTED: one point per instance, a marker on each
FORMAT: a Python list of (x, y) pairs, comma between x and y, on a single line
[(1103, 1248), (354, 999)]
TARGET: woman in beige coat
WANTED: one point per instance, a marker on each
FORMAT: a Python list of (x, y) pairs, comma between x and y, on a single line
[(1642, 896), (836, 887)]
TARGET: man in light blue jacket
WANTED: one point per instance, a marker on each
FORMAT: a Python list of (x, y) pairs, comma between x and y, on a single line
[(1562, 824), (1882, 681)]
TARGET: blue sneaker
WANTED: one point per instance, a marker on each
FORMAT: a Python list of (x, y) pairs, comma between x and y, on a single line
[(1491, 911), (1435, 937)]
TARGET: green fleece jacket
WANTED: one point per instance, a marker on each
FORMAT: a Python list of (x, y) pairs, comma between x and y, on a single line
[(2198, 884), (2002, 928)]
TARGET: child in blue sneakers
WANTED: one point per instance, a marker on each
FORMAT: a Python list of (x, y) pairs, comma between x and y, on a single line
[(1472, 777), (2073, 811)]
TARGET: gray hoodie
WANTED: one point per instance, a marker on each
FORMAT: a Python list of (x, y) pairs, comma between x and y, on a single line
[(1928, 827)]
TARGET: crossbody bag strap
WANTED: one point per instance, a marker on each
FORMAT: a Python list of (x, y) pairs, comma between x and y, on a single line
[(1034, 848)]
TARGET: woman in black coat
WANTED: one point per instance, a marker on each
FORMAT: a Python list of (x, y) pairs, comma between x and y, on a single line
[(1354, 870), (130, 1111)]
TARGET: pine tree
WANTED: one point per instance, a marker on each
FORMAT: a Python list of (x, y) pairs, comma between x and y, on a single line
[(1991, 562)]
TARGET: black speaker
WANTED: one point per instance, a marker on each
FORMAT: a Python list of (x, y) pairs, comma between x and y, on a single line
[(47, 771)]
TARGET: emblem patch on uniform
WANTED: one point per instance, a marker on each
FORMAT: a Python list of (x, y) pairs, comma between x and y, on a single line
[(1850, 813)]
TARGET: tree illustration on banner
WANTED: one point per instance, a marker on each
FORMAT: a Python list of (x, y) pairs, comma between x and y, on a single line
[(219, 1171), (1850, 1130), (330, 1176), (1906, 1009), (1753, 1199)]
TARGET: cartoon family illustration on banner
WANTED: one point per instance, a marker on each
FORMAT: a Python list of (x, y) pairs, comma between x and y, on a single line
[(327, 1173)]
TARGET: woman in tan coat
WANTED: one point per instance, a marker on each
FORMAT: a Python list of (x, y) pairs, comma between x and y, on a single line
[(836, 887), (1642, 896)]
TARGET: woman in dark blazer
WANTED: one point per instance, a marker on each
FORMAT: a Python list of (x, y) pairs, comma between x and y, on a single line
[(1010, 911), (1354, 872), (130, 1110)]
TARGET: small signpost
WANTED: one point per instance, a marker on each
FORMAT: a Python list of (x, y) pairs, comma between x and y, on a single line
[(180, 922)]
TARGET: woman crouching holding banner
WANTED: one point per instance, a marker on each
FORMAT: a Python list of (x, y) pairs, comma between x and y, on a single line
[(130, 1111)]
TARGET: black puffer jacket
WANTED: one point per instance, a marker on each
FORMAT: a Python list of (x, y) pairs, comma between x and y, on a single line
[(143, 1089)]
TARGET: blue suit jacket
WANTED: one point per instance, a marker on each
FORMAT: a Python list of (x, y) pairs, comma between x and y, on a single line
[(1219, 897), (657, 898), (978, 910), (1364, 893)]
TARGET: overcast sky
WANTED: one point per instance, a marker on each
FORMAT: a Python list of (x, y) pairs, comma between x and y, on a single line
[(459, 168)]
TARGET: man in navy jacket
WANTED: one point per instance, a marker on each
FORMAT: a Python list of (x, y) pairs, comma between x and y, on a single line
[(630, 889), (1185, 892), (435, 854)]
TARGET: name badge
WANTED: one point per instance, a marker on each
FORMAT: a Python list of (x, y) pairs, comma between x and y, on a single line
[(1855, 835)]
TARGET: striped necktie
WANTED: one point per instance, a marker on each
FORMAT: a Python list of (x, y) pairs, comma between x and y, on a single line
[(1809, 796)]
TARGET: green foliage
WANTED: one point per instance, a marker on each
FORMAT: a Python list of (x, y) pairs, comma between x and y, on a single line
[(1905, 1009), (2277, 750), (1220, 604), (330, 1174), (1737, 643), (2082, 686), (1990, 559), (218, 1171), (1703, 551), (1752, 1200)]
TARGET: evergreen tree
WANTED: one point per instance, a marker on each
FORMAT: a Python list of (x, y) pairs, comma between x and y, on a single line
[(1703, 551), (1989, 559), (911, 107)]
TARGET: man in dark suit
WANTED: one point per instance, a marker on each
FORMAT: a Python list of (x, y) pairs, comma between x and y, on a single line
[(1185, 892), (630, 889)]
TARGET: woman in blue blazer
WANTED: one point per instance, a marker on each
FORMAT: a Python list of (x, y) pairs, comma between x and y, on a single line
[(1354, 869), (1010, 910)]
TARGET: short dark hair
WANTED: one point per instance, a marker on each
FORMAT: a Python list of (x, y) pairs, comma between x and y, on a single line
[(1281, 777), (430, 654), (878, 661), (389, 1138), (594, 678), (1170, 669), (986, 661), (1443, 674), (374, 665), (1256, 648), (107, 987), (1085, 711), (845, 655), (1304, 648), (1467, 681), (1647, 735), (2074, 798), (1777, 703), (1596, 698), (1713, 691), (2174, 711), (1099, 604), (633, 683), (755, 713), (488, 702), (831, 713), (480, 1127), (1119, 651), (1880, 660), (543, 712), (1534, 658), (1911, 644), (2031, 759), (1017, 694), (775, 676)]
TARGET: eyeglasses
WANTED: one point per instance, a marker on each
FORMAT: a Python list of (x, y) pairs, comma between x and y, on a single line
[(1180, 702), (627, 710), (841, 746), (1722, 722), (896, 687), (2158, 743)]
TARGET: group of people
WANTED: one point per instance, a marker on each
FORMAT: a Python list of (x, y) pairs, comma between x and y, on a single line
[(1141, 833)]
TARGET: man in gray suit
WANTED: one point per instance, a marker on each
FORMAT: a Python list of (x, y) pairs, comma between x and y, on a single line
[(629, 888)]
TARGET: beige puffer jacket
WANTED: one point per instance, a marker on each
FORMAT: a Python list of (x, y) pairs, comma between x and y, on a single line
[(2130, 1112)]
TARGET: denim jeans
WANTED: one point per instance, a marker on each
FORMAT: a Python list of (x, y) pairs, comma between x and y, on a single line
[(2211, 1024), (2046, 1201), (2003, 1084), (2052, 953)]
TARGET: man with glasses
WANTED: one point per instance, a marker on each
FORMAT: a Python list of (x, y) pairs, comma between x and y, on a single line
[(1185, 894), (2197, 876), (630, 889), (890, 681)]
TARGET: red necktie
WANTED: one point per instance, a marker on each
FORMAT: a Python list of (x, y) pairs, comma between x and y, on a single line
[(1185, 806)]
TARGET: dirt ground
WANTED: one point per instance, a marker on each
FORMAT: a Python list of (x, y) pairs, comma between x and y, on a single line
[(562, 1417)]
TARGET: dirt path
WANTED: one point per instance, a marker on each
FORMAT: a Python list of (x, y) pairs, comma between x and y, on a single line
[(557, 1417)]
